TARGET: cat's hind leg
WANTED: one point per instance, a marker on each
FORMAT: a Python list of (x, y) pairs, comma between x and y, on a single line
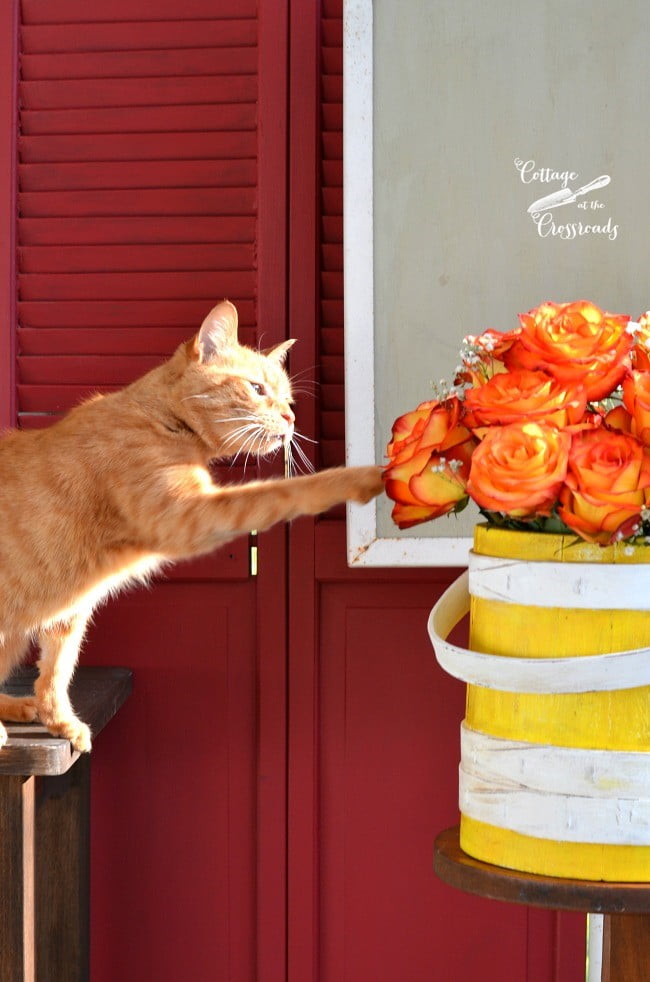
[(16, 709), (60, 645)]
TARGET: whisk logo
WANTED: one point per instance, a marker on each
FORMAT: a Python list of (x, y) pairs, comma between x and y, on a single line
[(566, 189)]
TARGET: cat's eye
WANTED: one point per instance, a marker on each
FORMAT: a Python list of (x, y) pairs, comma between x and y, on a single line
[(257, 388)]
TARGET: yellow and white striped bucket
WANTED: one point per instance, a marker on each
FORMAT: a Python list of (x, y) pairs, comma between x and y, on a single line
[(555, 746)]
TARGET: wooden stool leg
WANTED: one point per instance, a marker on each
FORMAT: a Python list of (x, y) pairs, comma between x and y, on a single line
[(626, 948), (17, 879), (62, 875)]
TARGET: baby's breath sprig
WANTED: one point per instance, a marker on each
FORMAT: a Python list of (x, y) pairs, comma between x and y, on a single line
[(476, 356), (443, 390)]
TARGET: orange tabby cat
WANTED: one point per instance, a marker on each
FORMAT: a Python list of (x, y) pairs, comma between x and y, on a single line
[(121, 485)]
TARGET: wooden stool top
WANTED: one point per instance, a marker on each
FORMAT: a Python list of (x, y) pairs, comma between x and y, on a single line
[(473, 876), (96, 694)]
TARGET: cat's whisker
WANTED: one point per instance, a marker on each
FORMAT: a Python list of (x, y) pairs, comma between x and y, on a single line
[(306, 462), (301, 436), (233, 419), (303, 371), (255, 431), (240, 431), (251, 450), (297, 460)]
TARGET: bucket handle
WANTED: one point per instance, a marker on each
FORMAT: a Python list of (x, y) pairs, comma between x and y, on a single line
[(578, 673)]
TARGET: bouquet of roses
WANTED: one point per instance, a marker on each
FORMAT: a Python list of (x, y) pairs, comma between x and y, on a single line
[(546, 428)]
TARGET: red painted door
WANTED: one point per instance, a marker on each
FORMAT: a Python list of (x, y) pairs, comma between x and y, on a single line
[(373, 723), (265, 805)]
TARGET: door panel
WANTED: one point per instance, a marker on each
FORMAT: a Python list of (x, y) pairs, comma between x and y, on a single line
[(173, 833), (389, 771)]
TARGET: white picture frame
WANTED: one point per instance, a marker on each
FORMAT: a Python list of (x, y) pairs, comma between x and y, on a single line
[(442, 174), (366, 547)]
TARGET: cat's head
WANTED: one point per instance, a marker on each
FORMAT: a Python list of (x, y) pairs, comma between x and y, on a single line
[(237, 398)]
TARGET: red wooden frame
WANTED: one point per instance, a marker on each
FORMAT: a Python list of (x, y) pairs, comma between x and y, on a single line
[(303, 776), (8, 110), (272, 573)]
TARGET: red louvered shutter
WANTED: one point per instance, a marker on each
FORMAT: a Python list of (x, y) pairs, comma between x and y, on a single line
[(138, 170), (331, 261)]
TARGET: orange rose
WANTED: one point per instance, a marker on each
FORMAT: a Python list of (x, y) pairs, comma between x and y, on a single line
[(433, 425), (518, 469), (607, 485), (619, 419), (636, 398), (430, 454), (522, 395), (574, 342)]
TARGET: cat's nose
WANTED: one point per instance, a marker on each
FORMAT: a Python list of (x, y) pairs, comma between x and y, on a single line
[(289, 417)]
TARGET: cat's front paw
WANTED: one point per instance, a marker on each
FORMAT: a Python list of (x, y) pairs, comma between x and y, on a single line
[(367, 483), (75, 731)]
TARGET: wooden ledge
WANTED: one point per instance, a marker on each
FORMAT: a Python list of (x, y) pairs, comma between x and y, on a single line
[(96, 693), (459, 870)]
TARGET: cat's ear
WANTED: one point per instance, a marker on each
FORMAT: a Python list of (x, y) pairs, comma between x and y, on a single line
[(218, 332), (280, 351)]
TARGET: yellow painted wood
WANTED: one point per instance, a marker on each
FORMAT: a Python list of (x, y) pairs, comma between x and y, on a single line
[(586, 861), (533, 546), (618, 720)]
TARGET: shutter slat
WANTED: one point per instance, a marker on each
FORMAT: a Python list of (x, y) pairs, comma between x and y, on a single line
[(109, 259), (331, 286), (331, 31), (331, 368), (140, 119), (56, 398), (138, 174), (332, 116), (332, 454), (137, 286), (79, 93), (158, 201), (120, 36), (332, 258), (332, 86), (118, 341), (136, 230), (332, 426), (332, 398), (332, 60), (332, 146), (140, 64), (101, 370), (110, 314), (331, 341), (331, 228), (136, 146), (333, 200), (332, 313), (81, 11)]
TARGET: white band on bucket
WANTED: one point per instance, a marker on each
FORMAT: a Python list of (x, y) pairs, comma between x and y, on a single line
[(595, 586), (584, 673), (565, 794)]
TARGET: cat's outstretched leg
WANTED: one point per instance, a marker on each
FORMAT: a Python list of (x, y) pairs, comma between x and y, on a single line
[(199, 516), (60, 645)]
